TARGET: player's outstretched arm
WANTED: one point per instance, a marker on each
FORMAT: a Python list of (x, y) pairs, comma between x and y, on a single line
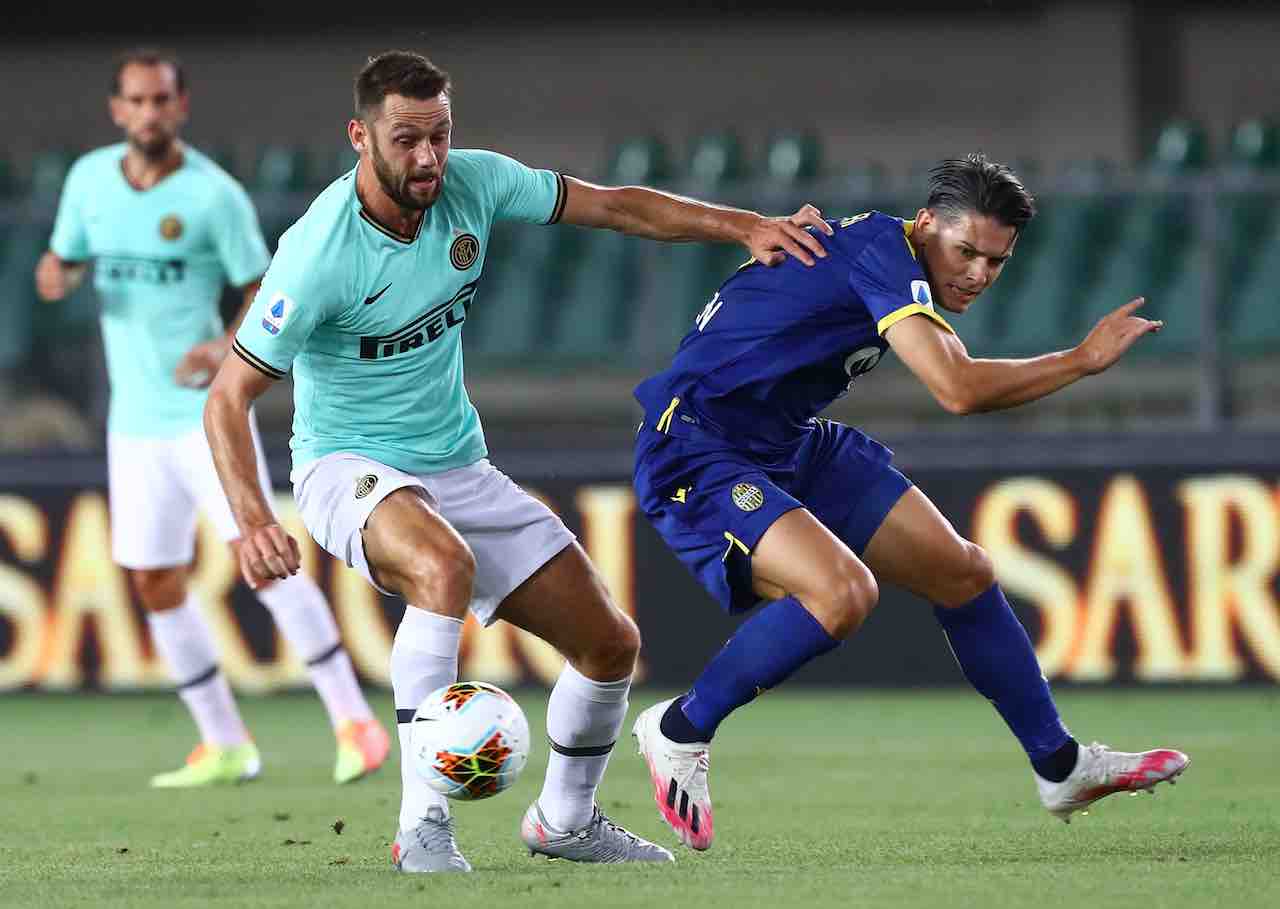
[(266, 551), (57, 278), (962, 384), (657, 215)]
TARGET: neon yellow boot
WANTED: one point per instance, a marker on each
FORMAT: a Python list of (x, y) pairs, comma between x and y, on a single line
[(363, 746), (210, 765)]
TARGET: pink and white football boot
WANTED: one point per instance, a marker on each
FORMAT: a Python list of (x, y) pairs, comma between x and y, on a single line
[(1100, 772), (679, 774)]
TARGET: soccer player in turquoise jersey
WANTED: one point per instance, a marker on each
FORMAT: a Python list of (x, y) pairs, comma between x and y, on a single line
[(772, 507), (166, 229), (365, 302)]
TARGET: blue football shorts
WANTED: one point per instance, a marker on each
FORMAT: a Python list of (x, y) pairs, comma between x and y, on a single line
[(712, 502)]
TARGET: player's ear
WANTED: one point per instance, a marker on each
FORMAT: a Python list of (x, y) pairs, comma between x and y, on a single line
[(115, 107), (358, 134)]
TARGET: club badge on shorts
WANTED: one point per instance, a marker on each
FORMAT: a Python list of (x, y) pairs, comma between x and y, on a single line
[(747, 497), (365, 485)]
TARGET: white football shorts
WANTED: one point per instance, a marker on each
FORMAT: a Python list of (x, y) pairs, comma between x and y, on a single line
[(156, 487), (510, 532)]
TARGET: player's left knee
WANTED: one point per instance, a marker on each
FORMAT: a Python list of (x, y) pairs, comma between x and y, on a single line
[(974, 575)]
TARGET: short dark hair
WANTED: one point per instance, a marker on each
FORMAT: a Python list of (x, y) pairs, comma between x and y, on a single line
[(147, 56), (974, 184), (398, 73)]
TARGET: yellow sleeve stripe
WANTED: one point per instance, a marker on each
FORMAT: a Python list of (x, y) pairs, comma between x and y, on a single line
[(899, 314)]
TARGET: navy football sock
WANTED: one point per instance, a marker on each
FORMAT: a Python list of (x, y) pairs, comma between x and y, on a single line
[(997, 658), (764, 651)]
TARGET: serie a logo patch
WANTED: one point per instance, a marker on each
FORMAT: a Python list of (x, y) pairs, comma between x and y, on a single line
[(747, 497), (464, 251), (365, 485)]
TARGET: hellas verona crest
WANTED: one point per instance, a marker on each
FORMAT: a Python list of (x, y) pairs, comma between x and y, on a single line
[(747, 497)]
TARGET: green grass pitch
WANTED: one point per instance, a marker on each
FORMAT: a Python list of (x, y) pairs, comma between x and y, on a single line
[(899, 799)]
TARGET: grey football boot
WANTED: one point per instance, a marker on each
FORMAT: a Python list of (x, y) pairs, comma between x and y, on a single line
[(599, 840), (428, 847)]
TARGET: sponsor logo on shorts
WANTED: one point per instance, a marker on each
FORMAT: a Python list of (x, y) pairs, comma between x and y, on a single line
[(747, 497), (365, 485), (464, 252), (171, 227), (277, 313)]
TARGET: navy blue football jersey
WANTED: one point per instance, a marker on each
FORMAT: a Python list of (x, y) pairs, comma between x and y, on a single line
[(775, 346)]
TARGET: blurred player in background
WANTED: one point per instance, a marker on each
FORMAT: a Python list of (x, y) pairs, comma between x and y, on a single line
[(762, 500), (166, 228), (365, 300)]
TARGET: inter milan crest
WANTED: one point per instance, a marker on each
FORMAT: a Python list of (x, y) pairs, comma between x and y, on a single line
[(464, 251), (365, 485), (170, 227), (747, 497)]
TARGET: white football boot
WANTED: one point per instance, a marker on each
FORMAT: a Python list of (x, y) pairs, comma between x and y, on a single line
[(1099, 772), (428, 847), (599, 840), (679, 774)]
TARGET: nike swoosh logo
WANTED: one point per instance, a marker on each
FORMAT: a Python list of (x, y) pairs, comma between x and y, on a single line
[(374, 298)]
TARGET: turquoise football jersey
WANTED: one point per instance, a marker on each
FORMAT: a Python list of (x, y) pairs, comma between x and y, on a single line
[(371, 322), (161, 259)]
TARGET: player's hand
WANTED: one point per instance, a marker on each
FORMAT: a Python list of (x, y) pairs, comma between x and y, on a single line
[(1115, 333), (52, 281), (267, 553), (771, 240), (198, 367)]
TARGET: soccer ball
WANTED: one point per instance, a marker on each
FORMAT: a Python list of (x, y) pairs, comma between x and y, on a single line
[(470, 740)]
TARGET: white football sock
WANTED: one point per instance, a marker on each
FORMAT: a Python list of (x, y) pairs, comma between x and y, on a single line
[(184, 643), (304, 617), (584, 718), (424, 657)]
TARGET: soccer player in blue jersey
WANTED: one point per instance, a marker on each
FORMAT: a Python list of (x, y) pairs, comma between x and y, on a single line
[(766, 503), (365, 300), (166, 229)]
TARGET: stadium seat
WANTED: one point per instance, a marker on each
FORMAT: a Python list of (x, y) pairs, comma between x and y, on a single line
[(1150, 255), (225, 157), (687, 273), (593, 316), (1246, 214), (48, 171), (715, 159), (8, 180), (15, 312), (282, 169), (523, 275), (792, 158), (279, 173), (1253, 325), (1053, 265)]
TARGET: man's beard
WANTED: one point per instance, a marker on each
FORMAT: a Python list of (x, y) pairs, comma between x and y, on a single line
[(396, 186), (155, 149)]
